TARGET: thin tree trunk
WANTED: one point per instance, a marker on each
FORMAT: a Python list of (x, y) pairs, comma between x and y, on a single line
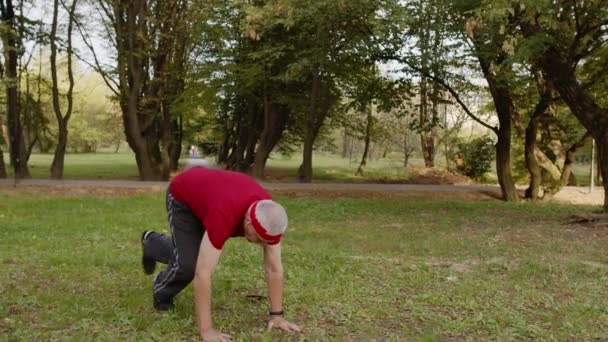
[(2, 165), (305, 170), (531, 163), (503, 103), (504, 109), (62, 121), (531, 135), (567, 174), (344, 153), (406, 152), (368, 134), (321, 102), (176, 148)]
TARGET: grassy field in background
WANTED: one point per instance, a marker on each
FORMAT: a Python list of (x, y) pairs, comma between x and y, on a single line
[(108, 165), (327, 168), (103, 165), (333, 168), (356, 269)]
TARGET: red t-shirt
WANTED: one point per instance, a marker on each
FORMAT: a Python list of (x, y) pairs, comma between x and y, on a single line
[(218, 198)]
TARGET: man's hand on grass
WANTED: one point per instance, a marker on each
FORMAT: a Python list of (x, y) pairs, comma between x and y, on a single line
[(213, 335), (279, 322)]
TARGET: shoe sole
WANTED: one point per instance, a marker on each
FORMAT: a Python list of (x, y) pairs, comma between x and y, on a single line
[(148, 264)]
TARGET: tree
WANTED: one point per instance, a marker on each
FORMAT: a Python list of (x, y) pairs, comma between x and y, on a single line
[(11, 48), (62, 121), (427, 29), (335, 48), (484, 44), (567, 41), (2, 142), (152, 45), (281, 65), (551, 137), (368, 136)]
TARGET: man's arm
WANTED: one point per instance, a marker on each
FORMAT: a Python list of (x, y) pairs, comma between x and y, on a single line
[(274, 277), (208, 257)]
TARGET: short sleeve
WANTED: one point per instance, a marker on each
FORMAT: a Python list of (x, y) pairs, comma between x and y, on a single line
[(218, 227)]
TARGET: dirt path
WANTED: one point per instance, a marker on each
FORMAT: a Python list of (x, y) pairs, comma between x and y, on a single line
[(573, 195)]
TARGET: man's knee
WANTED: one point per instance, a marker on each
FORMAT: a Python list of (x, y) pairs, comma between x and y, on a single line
[(186, 271)]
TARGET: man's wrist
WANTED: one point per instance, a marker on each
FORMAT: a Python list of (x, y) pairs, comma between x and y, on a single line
[(276, 313)]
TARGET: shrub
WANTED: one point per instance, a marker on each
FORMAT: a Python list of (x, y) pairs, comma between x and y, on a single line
[(474, 157)]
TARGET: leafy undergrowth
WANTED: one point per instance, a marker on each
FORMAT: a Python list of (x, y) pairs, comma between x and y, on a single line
[(357, 269)]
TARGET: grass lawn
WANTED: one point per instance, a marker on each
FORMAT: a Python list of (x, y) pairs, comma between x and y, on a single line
[(108, 165), (356, 269), (85, 165), (327, 168), (334, 168)]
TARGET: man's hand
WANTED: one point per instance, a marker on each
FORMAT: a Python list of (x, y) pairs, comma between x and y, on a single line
[(213, 335), (280, 323)]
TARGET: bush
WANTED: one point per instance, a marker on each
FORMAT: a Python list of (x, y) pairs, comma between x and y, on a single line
[(474, 157)]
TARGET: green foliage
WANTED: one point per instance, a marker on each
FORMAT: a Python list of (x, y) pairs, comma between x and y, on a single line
[(475, 156)]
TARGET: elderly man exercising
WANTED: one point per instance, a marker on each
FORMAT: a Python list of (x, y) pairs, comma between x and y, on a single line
[(206, 207)]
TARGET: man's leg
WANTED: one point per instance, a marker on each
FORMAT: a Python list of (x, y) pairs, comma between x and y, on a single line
[(157, 247), (187, 233)]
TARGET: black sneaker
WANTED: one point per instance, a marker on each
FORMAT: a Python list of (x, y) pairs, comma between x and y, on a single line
[(148, 263), (163, 306)]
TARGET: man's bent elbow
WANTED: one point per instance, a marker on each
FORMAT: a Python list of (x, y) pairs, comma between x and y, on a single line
[(273, 271), (202, 275)]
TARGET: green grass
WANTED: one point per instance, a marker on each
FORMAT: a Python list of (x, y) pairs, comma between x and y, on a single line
[(326, 167), (108, 165), (86, 165), (356, 269), (332, 168)]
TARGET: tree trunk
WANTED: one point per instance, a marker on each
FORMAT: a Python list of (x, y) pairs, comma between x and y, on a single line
[(567, 175), (406, 150), (503, 103), (275, 120), (246, 137), (305, 170), (317, 114), (176, 148), (2, 165), (504, 109), (425, 59), (368, 136), (531, 163), (10, 40), (59, 156), (62, 121), (425, 133), (345, 143), (531, 135), (503, 164)]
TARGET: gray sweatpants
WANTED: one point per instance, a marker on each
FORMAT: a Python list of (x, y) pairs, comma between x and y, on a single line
[(179, 252)]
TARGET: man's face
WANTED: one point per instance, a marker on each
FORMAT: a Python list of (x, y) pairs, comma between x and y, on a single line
[(250, 234)]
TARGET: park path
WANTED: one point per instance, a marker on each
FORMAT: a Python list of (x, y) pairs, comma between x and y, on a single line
[(573, 195)]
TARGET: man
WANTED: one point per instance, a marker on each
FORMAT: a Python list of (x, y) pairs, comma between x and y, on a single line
[(206, 207)]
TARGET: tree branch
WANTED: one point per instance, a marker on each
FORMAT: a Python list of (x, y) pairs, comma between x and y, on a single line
[(110, 82)]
